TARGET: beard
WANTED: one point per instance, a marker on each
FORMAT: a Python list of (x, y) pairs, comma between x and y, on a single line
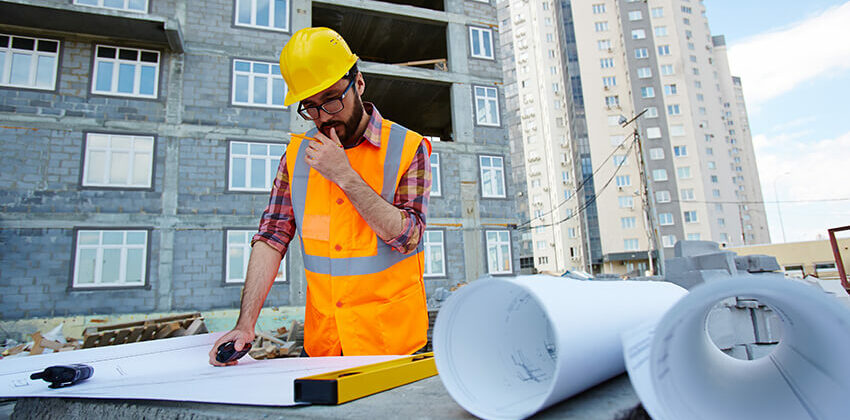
[(346, 129)]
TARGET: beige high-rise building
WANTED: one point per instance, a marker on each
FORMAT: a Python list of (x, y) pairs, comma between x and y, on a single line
[(611, 61)]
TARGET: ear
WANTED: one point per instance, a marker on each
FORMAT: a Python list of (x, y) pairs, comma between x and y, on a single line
[(360, 83)]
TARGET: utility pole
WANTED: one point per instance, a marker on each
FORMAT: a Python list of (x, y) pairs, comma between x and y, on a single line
[(650, 216)]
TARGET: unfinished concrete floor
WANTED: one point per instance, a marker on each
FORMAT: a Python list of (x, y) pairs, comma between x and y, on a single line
[(426, 399)]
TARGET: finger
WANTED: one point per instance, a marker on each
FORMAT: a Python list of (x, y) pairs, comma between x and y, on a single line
[(334, 137), (321, 138)]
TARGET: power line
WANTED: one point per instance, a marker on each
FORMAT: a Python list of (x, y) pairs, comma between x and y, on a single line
[(584, 181)]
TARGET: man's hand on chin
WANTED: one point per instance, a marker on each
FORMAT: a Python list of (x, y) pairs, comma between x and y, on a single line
[(327, 156)]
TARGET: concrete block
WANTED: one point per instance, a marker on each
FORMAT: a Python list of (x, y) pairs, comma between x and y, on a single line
[(694, 248), (729, 326), (724, 260), (757, 263)]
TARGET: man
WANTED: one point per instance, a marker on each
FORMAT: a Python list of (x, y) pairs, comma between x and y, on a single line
[(356, 189)]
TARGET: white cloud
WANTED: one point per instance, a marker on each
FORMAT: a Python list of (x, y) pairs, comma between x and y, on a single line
[(773, 63), (804, 170)]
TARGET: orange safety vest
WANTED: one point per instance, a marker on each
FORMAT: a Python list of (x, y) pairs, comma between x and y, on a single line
[(363, 297)]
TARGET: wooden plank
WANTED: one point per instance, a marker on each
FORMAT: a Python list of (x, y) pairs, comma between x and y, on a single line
[(148, 333), (50, 344), (106, 339), (122, 336), (135, 334), (166, 330), (195, 327), (14, 350), (268, 337), (90, 341), (36, 343)]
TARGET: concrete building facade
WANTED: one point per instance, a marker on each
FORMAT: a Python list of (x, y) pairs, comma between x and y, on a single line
[(694, 178), (139, 139)]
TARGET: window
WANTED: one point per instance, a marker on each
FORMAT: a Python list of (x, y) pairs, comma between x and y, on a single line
[(435, 263), (541, 244), (715, 179), (680, 151), (542, 260), (635, 15), (257, 83), (712, 164), (253, 166), (657, 12), (659, 174), (667, 70), (644, 72), (684, 172), (612, 101), (624, 181), (687, 194), (641, 53), (653, 132), (265, 14), (110, 258), (487, 106), (660, 31), (686, 9), (28, 62), (598, 9), (715, 193), (127, 5), (630, 244), (620, 160), (721, 222), (693, 236), (436, 187), (600, 26), (239, 252), (665, 219), (656, 153), (677, 130), (126, 72), (663, 50), (793, 270), (638, 34), (492, 176), (673, 109), (481, 42), (606, 63), (113, 160), (662, 196), (651, 112), (668, 241), (603, 44), (571, 232), (626, 201), (671, 89), (498, 252), (647, 92), (609, 81), (691, 216), (628, 222)]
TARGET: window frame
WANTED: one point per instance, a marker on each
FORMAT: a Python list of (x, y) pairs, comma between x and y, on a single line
[(137, 75), (75, 255), (236, 24), (481, 176), (229, 166), (436, 180), (472, 36), (225, 265), (510, 270), (101, 5), (251, 79), (84, 170), (7, 63), (478, 111), (426, 254)]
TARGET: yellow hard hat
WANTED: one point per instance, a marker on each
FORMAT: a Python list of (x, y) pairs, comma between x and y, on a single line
[(312, 61)]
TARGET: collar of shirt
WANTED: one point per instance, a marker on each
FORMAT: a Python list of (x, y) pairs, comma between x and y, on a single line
[(373, 129)]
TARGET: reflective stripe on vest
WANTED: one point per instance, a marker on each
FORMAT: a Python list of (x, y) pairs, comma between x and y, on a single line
[(385, 257)]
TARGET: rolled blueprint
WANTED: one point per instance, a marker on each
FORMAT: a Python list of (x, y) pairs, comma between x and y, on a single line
[(507, 347), (679, 373)]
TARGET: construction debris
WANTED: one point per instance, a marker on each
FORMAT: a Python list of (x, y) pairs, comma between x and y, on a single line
[(280, 343), (151, 329)]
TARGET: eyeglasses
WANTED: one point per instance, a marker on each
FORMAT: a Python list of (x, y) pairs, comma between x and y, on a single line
[(330, 107)]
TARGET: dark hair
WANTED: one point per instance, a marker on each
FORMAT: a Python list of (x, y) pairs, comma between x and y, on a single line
[(352, 73)]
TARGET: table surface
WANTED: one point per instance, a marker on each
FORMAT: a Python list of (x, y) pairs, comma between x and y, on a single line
[(425, 399)]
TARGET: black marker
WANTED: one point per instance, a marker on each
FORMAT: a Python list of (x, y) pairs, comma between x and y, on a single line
[(64, 375)]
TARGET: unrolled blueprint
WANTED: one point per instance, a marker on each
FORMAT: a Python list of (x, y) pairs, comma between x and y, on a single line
[(172, 369)]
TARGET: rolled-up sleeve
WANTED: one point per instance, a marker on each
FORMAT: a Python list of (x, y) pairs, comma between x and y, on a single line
[(277, 225), (411, 198)]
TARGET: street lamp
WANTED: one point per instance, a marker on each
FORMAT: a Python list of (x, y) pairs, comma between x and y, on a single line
[(778, 204)]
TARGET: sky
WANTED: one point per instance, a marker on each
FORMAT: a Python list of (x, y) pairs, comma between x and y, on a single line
[(793, 58)]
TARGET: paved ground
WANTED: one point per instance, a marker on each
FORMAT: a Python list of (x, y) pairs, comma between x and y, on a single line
[(426, 399)]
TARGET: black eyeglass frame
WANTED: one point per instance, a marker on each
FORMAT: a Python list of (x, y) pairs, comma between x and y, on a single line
[(303, 111)]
